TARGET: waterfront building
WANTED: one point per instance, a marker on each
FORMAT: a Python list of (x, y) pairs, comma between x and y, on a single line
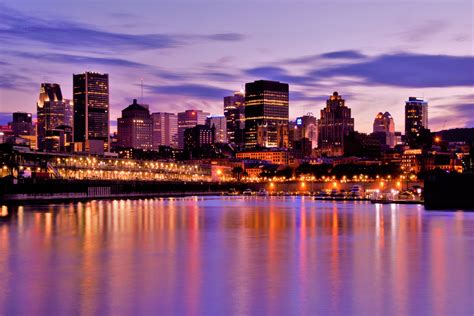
[(384, 129), (52, 111), (165, 130), (91, 110), (273, 156), (234, 112), (22, 124), (198, 136), (416, 120), (220, 124), (335, 124), (267, 106), (135, 127), (188, 119)]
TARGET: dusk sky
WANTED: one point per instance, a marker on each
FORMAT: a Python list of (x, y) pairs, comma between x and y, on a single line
[(191, 54)]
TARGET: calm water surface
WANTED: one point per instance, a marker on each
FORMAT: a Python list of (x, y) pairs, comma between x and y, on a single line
[(235, 256)]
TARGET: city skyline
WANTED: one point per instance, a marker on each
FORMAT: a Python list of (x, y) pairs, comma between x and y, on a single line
[(429, 56)]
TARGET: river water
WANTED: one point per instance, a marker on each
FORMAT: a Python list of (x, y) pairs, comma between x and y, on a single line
[(235, 256)]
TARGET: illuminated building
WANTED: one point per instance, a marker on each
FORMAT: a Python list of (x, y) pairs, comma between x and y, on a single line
[(266, 105), (234, 112), (91, 110), (335, 124), (188, 119), (165, 130), (135, 127), (220, 125), (384, 128), (52, 111), (273, 156)]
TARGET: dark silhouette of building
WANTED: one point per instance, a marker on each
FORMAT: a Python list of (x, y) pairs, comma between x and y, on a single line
[(188, 119), (198, 138), (416, 121), (22, 124), (91, 110), (135, 127), (335, 124), (220, 127), (52, 111), (234, 112), (266, 104), (362, 145)]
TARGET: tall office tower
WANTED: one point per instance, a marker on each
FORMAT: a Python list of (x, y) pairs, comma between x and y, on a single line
[(234, 112), (306, 127), (135, 127), (22, 124), (416, 118), (165, 130), (335, 124), (220, 124), (52, 111), (384, 129), (266, 104), (188, 119), (68, 113), (91, 110)]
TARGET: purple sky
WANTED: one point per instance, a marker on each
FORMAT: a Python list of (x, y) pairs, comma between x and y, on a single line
[(191, 54)]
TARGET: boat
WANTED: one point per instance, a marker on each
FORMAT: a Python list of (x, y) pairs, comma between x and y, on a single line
[(262, 192), (247, 192), (232, 191)]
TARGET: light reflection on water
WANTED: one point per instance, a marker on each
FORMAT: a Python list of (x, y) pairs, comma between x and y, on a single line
[(234, 255)]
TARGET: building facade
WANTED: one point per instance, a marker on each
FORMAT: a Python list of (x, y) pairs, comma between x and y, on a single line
[(220, 127), (198, 136), (53, 111), (234, 112), (277, 157), (165, 130), (188, 119), (267, 105), (22, 124), (335, 124), (135, 127), (384, 129), (416, 119), (91, 109), (306, 127)]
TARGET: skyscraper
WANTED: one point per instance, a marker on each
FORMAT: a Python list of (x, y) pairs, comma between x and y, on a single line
[(188, 119), (416, 116), (52, 111), (91, 109), (335, 124), (266, 104), (384, 129), (220, 124), (165, 130), (22, 124), (134, 128), (234, 112)]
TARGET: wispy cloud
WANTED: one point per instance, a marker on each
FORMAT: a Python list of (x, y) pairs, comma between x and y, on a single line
[(16, 26), (191, 90)]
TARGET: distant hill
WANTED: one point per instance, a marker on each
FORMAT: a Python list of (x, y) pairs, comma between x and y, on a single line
[(457, 135)]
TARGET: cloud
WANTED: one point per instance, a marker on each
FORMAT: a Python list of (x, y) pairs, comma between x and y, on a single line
[(14, 81), (406, 70), (5, 117), (342, 54), (16, 27), (424, 31), (278, 74), (190, 90)]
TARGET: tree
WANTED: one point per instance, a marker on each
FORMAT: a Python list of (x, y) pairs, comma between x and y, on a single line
[(237, 172)]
